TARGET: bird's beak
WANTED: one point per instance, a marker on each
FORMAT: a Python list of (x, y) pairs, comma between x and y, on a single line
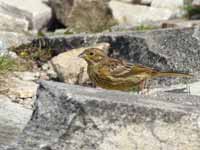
[(81, 55)]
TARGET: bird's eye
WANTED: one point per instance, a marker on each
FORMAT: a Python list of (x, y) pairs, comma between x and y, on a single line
[(91, 53)]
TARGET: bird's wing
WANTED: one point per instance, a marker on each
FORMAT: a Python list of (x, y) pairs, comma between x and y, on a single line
[(138, 69), (113, 68), (120, 68)]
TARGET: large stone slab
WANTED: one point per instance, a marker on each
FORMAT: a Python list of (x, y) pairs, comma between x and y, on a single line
[(75, 118), (36, 12)]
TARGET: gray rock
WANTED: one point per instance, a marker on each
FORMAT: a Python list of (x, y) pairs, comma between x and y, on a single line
[(166, 49), (35, 12), (13, 118), (69, 13), (74, 118)]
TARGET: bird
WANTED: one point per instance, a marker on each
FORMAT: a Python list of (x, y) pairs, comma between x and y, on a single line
[(115, 74)]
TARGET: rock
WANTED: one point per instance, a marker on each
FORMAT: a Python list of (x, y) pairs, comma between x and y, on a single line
[(22, 89), (187, 88), (35, 12), (137, 14), (69, 12), (62, 9), (175, 6), (174, 50), (97, 18), (27, 76), (196, 3), (129, 1), (68, 65), (13, 118), (146, 2), (74, 118), (180, 23), (12, 39), (10, 23)]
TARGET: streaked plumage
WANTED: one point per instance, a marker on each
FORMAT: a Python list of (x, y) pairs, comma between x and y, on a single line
[(110, 73)]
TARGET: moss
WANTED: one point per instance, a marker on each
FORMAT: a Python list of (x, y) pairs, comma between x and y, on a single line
[(145, 27), (40, 34)]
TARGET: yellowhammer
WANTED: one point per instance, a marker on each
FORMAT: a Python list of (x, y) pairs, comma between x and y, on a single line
[(110, 73)]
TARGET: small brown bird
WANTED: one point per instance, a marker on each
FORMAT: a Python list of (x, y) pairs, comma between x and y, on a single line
[(110, 73)]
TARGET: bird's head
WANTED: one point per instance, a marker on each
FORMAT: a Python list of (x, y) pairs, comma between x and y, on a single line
[(93, 55)]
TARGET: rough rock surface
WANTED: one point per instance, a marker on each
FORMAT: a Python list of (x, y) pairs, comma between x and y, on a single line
[(21, 89), (146, 2), (180, 23), (9, 23), (35, 12), (69, 13), (72, 69), (176, 6), (166, 50), (13, 118), (10, 38), (138, 14), (74, 118), (196, 3)]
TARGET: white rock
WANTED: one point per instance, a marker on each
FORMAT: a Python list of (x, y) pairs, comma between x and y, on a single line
[(27, 76), (10, 23), (191, 88), (68, 64), (175, 5), (137, 14), (196, 3), (10, 39), (22, 89), (35, 11), (146, 2), (180, 23), (128, 1)]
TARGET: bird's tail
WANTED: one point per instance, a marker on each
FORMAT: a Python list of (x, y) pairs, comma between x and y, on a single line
[(171, 74)]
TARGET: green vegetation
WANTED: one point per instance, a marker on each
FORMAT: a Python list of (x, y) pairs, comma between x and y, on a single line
[(145, 27), (191, 10), (34, 54), (8, 64), (40, 34), (91, 16)]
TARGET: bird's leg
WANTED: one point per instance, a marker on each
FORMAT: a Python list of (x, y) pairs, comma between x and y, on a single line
[(144, 87), (188, 88), (141, 87), (147, 85)]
